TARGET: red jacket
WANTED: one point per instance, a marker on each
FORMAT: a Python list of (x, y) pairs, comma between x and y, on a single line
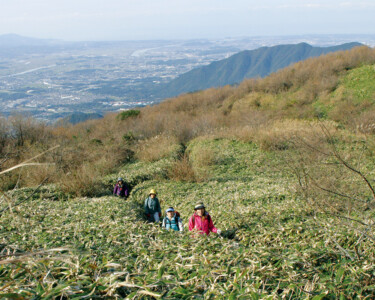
[(203, 227)]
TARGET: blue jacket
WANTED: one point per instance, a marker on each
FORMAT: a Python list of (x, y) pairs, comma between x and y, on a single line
[(175, 223)]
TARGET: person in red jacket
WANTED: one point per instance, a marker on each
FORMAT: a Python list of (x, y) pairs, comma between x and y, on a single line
[(202, 221)]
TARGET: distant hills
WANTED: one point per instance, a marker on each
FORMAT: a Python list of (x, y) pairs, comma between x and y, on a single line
[(13, 45), (11, 41), (246, 64), (79, 117), (14, 40)]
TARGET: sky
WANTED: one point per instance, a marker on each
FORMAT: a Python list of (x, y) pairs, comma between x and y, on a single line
[(78, 20)]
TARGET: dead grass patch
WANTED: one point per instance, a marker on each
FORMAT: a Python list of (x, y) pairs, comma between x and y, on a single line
[(282, 135), (182, 170), (156, 148)]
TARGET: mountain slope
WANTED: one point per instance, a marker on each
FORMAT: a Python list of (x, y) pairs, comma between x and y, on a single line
[(283, 189), (246, 64)]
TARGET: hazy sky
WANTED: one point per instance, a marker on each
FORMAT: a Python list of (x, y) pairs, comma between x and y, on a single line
[(170, 19)]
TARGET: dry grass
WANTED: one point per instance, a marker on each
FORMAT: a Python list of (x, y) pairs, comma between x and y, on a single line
[(282, 135), (202, 159), (156, 148), (83, 181), (365, 123), (182, 170)]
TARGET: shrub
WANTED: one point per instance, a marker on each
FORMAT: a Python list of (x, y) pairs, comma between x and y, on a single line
[(202, 157), (182, 170), (129, 137), (83, 181), (96, 142), (128, 114)]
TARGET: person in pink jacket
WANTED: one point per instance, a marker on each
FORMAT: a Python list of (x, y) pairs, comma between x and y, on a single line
[(201, 221)]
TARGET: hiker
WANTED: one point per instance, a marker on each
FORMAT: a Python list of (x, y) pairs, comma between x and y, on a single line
[(152, 207), (120, 190), (201, 221), (172, 220)]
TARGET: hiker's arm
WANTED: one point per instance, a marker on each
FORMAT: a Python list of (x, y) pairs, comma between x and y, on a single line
[(115, 190), (163, 224), (191, 224), (180, 225), (211, 226)]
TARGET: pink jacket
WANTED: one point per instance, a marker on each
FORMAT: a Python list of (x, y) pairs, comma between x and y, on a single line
[(206, 226)]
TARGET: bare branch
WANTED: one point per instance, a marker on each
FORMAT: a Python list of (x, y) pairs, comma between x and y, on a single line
[(311, 147), (49, 150), (25, 163), (349, 219), (345, 163), (334, 192)]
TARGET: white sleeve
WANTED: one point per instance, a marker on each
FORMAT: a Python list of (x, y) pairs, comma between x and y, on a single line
[(180, 225)]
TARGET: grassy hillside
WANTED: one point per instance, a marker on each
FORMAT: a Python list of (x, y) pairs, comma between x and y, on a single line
[(283, 164), (271, 246)]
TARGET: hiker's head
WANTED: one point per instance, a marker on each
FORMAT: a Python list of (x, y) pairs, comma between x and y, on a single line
[(152, 193), (170, 212), (200, 209), (120, 180)]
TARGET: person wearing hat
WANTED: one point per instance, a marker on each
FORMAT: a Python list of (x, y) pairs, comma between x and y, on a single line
[(202, 221), (152, 207), (172, 220), (120, 189)]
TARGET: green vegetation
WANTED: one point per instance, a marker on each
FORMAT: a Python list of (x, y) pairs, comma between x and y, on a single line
[(292, 194), (271, 244), (360, 83), (128, 114), (79, 117)]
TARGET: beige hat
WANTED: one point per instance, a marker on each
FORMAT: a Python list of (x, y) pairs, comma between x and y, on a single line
[(199, 206)]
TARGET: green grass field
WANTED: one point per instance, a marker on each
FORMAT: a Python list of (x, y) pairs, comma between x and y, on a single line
[(273, 245)]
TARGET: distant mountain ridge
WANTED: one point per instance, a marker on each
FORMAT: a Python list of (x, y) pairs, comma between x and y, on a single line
[(14, 40), (246, 64)]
